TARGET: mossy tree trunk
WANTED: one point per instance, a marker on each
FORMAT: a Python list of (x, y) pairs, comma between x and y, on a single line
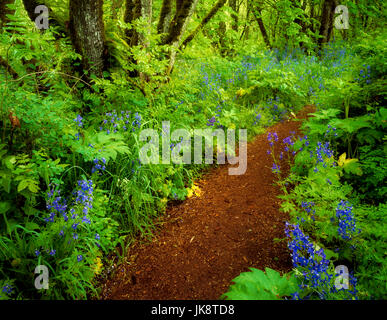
[(326, 21), (165, 17), (116, 6), (184, 11), (206, 19), (136, 9), (234, 5), (222, 45), (146, 13), (132, 13), (246, 28), (88, 33), (257, 11), (301, 19)]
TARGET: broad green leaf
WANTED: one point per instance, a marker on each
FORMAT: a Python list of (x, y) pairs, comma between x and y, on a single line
[(22, 185), (258, 285)]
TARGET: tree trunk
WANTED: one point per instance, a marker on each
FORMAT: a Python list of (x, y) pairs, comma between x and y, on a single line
[(165, 17), (134, 10), (246, 28), (222, 45), (326, 21), (233, 5), (146, 12), (301, 22), (205, 20), (116, 6), (87, 33), (184, 10), (258, 16), (177, 28)]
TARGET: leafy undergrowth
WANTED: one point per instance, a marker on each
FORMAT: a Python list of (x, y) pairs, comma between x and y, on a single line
[(73, 188), (335, 193), (259, 285)]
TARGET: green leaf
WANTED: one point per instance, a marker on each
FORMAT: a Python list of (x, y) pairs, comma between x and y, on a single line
[(10, 161), (33, 187), (32, 226), (6, 183), (22, 185), (4, 206), (258, 285)]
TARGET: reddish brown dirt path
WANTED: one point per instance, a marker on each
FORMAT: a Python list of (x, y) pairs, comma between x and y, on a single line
[(207, 241)]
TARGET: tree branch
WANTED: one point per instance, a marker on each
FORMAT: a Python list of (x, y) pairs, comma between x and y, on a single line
[(205, 20)]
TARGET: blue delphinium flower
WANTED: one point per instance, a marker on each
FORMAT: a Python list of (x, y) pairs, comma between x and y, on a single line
[(309, 208), (275, 168), (257, 118), (288, 141), (78, 120), (211, 121), (86, 220), (272, 137), (7, 289), (323, 150), (347, 222), (313, 263), (99, 166), (137, 120)]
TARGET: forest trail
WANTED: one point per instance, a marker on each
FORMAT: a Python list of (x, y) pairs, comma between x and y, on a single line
[(208, 240)]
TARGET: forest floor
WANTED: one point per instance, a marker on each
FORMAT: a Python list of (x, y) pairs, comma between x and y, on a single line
[(208, 240)]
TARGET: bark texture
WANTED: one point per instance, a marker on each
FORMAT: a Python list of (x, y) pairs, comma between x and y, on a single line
[(88, 33), (184, 10), (116, 5), (234, 6), (134, 10), (165, 17), (132, 13), (326, 21), (222, 45)]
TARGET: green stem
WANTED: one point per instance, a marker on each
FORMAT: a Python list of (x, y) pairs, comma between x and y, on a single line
[(6, 223)]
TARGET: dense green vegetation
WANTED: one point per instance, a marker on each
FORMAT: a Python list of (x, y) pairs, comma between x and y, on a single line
[(73, 189)]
